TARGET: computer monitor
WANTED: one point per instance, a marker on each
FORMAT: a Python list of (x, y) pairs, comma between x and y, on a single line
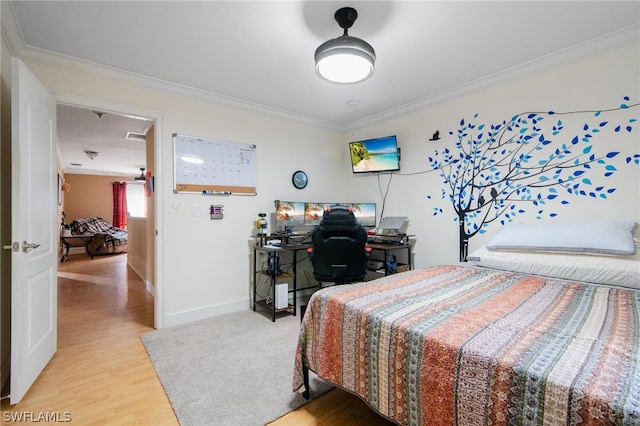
[(365, 213), (294, 213), (289, 214), (313, 213)]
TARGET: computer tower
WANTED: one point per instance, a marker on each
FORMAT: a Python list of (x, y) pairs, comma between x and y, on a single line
[(282, 295)]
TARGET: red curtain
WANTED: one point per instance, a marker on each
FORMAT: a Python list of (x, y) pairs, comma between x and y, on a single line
[(120, 205)]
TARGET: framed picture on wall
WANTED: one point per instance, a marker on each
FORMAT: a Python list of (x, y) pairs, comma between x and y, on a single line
[(59, 190)]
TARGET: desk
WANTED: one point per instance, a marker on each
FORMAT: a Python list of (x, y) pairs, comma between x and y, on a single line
[(274, 259), (75, 241), (387, 248), (273, 272)]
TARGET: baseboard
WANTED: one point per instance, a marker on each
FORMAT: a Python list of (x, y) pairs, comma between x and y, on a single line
[(205, 312), (150, 288)]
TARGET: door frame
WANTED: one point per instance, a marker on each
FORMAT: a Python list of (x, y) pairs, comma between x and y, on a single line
[(155, 115)]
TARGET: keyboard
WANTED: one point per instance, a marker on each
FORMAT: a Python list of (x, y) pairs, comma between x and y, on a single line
[(295, 245)]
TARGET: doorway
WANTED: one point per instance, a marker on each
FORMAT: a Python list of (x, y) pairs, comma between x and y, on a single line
[(142, 119)]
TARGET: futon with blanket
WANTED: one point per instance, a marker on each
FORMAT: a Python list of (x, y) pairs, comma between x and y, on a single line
[(106, 238)]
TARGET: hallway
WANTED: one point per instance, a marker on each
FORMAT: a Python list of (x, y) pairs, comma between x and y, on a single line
[(101, 373)]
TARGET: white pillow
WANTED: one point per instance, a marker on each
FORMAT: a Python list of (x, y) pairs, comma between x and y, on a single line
[(623, 271), (597, 237)]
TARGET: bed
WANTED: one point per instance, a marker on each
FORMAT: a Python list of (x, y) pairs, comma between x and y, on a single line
[(471, 344), (105, 238)]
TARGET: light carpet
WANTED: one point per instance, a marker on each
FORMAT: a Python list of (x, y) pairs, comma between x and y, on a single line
[(234, 369)]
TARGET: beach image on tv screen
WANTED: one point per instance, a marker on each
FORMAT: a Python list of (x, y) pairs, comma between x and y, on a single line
[(374, 155)]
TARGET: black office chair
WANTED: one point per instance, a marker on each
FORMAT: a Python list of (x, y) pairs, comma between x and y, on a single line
[(339, 253)]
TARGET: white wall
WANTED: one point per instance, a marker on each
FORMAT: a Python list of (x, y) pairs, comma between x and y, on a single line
[(137, 246), (206, 263), (596, 83), (206, 268)]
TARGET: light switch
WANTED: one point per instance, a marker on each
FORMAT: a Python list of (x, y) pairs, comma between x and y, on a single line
[(199, 210)]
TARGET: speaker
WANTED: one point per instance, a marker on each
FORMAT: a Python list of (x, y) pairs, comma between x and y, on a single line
[(391, 264), (282, 295)]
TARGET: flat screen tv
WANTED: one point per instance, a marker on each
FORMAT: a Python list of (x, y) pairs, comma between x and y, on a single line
[(375, 155)]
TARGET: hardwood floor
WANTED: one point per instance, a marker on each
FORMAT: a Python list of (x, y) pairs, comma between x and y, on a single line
[(101, 374), (335, 408)]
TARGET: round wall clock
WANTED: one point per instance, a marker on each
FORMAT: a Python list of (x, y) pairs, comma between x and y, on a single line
[(299, 179)]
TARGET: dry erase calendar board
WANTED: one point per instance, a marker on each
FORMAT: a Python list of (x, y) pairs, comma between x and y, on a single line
[(215, 166)]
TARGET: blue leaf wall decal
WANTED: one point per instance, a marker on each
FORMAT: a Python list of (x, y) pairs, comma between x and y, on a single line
[(509, 162)]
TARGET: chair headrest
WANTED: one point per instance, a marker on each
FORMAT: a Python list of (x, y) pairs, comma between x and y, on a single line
[(339, 218)]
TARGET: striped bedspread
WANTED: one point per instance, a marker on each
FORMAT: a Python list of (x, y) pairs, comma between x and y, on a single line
[(461, 345)]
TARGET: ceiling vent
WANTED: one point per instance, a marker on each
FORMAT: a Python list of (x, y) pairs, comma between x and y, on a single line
[(133, 136)]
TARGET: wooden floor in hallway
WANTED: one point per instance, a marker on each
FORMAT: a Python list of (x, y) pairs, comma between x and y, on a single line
[(101, 373)]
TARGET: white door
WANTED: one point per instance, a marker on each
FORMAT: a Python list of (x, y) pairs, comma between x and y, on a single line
[(34, 293)]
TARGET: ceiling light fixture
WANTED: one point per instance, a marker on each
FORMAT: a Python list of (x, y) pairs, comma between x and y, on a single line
[(345, 59), (91, 154), (142, 176)]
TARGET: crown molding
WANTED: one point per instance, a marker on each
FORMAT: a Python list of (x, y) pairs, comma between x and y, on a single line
[(589, 48), (54, 60), (10, 30)]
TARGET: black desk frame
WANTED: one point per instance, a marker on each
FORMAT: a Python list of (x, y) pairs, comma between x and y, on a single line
[(274, 255)]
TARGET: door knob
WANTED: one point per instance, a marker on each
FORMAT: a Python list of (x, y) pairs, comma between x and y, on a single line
[(28, 246)]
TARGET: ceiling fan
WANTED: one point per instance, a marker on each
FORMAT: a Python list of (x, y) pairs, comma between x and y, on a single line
[(142, 176)]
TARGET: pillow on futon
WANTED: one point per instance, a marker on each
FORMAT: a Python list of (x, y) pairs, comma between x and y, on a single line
[(596, 237)]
